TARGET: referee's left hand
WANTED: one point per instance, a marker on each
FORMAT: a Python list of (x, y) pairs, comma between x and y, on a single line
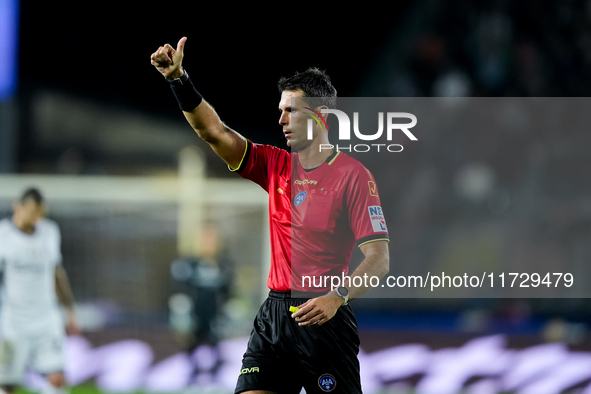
[(317, 311)]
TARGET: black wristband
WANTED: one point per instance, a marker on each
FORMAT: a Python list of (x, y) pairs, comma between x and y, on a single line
[(186, 95)]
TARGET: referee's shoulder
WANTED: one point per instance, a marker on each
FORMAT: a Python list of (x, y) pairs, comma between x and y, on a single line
[(272, 150), (351, 164), (269, 147)]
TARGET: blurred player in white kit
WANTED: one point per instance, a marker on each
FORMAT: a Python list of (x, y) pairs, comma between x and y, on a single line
[(32, 330)]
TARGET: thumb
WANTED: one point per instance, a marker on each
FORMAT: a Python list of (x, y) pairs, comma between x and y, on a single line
[(180, 47)]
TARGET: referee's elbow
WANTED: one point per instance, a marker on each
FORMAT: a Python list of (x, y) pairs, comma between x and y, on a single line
[(385, 266)]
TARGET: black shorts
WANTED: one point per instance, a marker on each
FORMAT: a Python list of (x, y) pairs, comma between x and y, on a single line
[(284, 357)]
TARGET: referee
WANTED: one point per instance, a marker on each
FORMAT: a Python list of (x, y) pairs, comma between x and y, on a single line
[(335, 207)]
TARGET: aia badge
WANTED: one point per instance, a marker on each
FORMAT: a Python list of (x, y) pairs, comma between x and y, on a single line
[(299, 199), (327, 383), (378, 223)]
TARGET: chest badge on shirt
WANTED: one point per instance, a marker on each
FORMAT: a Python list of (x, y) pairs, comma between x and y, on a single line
[(299, 198), (376, 216)]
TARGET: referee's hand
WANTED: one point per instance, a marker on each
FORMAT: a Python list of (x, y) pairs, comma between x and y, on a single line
[(317, 311), (168, 61)]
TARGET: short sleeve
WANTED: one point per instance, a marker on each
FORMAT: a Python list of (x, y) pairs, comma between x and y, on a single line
[(366, 216), (244, 159), (259, 163)]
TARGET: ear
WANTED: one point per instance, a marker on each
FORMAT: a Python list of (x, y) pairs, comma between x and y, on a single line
[(322, 107)]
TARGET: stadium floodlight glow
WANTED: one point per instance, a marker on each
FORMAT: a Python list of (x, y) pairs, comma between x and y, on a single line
[(8, 48)]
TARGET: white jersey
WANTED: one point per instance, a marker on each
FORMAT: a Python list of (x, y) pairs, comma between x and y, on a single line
[(29, 303)]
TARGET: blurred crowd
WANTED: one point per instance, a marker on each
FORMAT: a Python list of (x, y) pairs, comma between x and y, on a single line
[(498, 48), (499, 181)]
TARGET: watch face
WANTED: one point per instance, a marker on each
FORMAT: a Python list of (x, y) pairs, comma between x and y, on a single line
[(342, 291)]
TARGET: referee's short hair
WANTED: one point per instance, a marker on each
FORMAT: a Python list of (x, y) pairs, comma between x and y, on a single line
[(315, 84), (34, 194)]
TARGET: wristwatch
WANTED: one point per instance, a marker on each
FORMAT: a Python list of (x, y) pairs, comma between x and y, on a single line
[(343, 292)]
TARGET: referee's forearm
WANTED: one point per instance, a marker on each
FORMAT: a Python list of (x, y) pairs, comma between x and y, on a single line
[(373, 265), (206, 122)]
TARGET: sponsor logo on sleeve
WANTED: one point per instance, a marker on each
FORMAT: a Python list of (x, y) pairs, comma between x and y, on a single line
[(378, 223)]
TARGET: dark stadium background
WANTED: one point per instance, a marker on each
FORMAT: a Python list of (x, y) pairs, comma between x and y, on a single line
[(101, 50), (97, 53)]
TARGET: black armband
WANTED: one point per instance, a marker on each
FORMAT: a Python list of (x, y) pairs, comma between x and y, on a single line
[(186, 95)]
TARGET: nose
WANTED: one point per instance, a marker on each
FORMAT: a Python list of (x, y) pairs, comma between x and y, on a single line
[(284, 119)]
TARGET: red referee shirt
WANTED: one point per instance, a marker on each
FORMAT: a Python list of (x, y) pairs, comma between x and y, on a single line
[(316, 216)]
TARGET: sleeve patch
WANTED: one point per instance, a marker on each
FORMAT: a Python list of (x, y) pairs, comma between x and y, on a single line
[(376, 216), (373, 188)]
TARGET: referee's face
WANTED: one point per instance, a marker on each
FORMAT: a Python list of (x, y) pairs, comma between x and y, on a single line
[(293, 120)]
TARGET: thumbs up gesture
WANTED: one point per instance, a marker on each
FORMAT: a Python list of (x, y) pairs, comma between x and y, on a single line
[(167, 60)]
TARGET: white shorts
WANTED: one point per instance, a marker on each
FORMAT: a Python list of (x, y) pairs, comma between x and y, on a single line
[(44, 353)]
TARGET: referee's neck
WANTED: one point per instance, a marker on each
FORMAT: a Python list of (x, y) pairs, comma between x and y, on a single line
[(313, 157)]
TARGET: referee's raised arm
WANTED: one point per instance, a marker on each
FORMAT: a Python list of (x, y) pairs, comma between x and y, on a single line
[(226, 143)]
